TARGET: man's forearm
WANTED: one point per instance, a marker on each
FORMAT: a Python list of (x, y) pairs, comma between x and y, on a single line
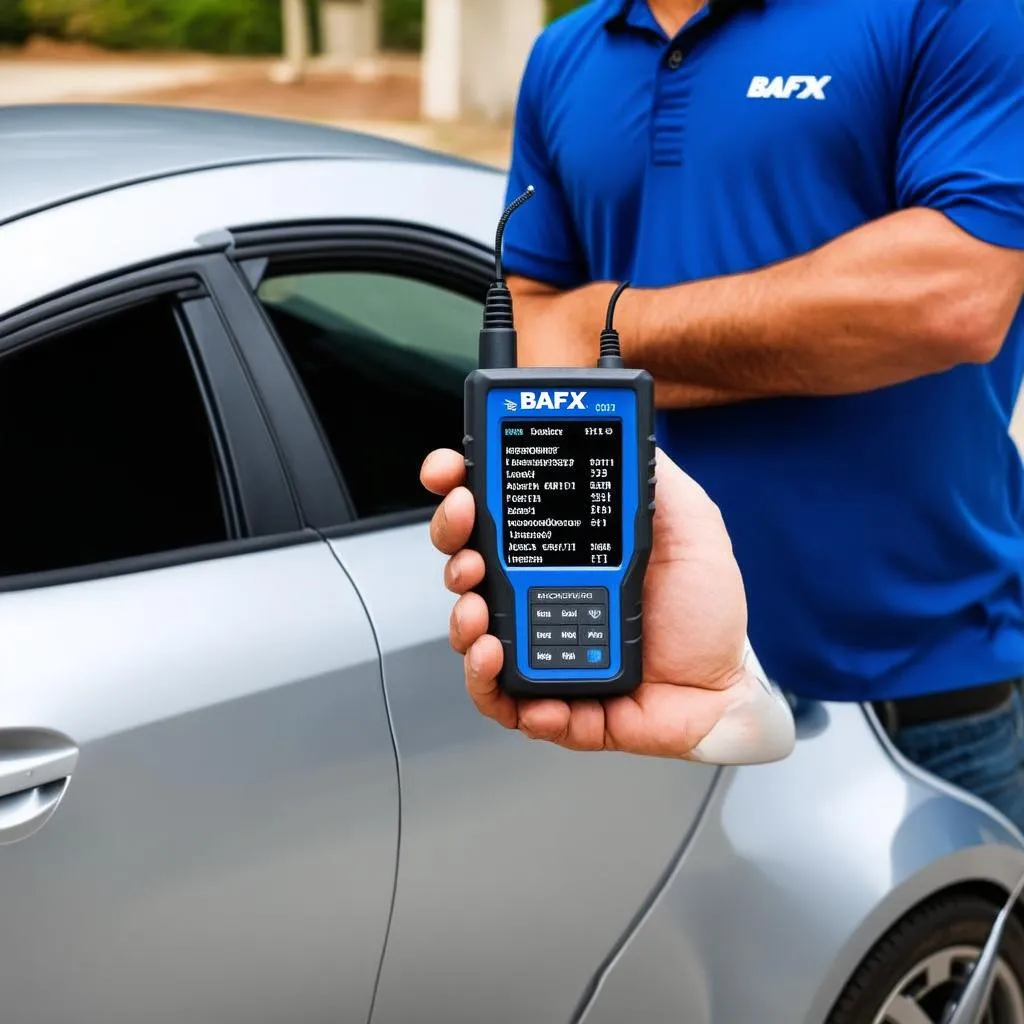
[(671, 394), (557, 330), (899, 298)]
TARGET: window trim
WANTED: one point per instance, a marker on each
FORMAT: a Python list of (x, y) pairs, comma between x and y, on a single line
[(426, 254), (314, 481), (73, 310), (232, 504), (430, 255), (237, 446)]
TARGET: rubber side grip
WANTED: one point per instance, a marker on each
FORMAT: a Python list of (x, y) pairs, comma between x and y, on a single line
[(495, 589)]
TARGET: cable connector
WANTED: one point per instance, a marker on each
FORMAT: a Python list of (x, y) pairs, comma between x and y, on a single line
[(610, 357), (498, 336)]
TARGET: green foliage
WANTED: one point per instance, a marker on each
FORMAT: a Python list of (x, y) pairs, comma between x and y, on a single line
[(14, 23), (556, 8), (402, 21), (214, 26), (402, 24)]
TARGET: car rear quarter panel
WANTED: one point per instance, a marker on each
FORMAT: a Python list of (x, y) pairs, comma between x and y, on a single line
[(797, 871)]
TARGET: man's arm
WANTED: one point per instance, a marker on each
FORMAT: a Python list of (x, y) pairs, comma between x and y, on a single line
[(931, 286), (907, 295)]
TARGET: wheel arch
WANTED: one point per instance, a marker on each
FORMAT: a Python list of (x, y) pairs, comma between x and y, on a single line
[(887, 951), (985, 865)]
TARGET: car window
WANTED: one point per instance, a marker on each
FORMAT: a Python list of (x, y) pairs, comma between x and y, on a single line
[(105, 445), (383, 359)]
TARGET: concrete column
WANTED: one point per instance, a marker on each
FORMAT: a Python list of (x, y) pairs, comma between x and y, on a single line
[(349, 30), (295, 28), (474, 54), (497, 37), (441, 96)]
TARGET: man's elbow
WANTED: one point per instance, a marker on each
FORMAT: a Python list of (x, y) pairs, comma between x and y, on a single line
[(970, 327)]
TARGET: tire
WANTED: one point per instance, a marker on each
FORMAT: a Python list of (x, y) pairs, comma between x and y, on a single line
[(937, 940)]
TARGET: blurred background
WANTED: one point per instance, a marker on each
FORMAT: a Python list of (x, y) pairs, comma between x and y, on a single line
[(439, 73)]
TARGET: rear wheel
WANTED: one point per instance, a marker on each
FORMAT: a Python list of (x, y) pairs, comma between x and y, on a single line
[(920, 967)]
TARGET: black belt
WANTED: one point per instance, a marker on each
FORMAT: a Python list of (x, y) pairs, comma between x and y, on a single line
[(938, 707)]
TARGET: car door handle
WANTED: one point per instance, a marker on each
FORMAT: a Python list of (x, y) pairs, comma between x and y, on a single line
[(35, 769)]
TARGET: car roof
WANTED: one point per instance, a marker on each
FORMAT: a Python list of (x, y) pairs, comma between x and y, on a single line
[(54, 153)]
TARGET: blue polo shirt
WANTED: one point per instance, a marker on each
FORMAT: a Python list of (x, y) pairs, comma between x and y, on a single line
[(881, 535)]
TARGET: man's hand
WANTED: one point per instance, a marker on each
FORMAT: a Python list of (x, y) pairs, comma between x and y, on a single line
[(695, 619)]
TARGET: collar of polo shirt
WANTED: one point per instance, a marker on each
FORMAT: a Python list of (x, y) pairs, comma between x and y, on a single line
[(617, 10)]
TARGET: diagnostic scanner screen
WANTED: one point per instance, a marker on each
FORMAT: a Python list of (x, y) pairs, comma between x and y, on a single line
[(561, 487)]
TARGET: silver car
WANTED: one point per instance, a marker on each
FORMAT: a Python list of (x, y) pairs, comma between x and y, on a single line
[(240, 780)]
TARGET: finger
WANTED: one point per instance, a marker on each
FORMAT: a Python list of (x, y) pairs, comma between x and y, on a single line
[(452, 522), (576, 726), (443, 469), (544, 719), (483, 663), (465, 569), (468, 622)]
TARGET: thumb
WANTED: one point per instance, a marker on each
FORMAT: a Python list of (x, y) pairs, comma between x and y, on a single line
[(686, 520)]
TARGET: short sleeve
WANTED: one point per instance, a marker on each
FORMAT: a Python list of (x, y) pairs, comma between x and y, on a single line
[(540, 239), (961, 142)]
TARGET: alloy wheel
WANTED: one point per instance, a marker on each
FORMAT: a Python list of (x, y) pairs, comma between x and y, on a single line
[(924, 993)]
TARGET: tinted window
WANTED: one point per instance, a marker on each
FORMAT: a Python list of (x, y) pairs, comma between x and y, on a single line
[(383, 359), (105, 446)]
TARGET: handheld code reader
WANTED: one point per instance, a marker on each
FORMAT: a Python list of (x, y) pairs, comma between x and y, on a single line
[(561, 465)]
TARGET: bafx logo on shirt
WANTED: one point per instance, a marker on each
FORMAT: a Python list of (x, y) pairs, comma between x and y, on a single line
[(801, 87), (552, 400)]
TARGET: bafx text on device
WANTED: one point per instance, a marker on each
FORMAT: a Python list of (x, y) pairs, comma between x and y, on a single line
[(552, 399), (802, 87)]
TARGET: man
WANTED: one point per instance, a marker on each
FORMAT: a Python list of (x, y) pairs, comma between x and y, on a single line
[(820, 206)]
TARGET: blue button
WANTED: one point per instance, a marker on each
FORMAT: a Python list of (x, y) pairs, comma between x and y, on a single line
[(597, 656)]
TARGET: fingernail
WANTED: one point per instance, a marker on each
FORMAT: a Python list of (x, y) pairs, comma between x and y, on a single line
[(474, 660), (455, 572)]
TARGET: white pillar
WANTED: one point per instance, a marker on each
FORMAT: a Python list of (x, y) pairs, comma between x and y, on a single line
[(474, 52), (295, 30), (442, 60), (350, 30), (497, 37)]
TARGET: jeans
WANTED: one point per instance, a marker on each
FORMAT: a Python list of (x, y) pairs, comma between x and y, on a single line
[(981, 753)]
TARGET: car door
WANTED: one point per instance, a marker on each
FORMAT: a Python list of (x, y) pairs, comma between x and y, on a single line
[(198, 788), (522, 867)]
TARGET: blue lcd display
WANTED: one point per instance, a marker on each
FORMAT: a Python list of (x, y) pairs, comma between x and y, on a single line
[(562, 489), (562, 492)]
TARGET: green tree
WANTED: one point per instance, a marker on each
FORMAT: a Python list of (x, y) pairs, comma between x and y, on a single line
[(402, 24), (14, 23), (215, 26), (402, 21), (556, 8)]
